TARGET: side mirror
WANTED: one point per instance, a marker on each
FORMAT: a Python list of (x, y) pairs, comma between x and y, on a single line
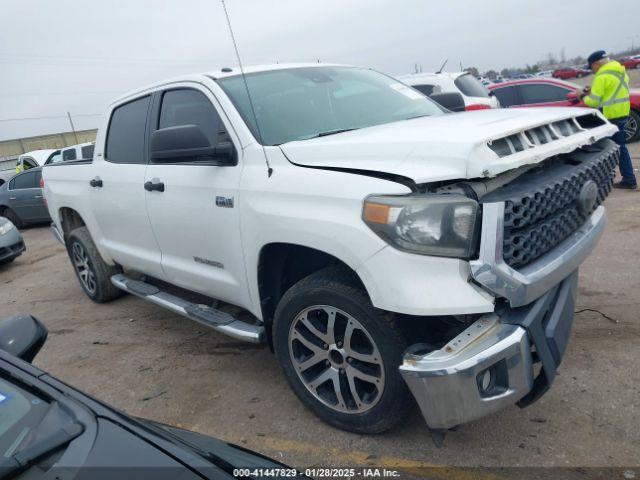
[(22, 336), (187, 144), (573, 97), (452, 101)]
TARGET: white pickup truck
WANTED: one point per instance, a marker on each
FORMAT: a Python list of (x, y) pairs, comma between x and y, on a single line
[(385, 248)]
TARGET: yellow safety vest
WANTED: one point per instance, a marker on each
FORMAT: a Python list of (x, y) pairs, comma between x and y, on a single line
[(610, 91)]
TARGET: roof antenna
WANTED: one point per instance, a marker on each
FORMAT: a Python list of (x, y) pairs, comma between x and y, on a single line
[(439, 71), (246, 86)]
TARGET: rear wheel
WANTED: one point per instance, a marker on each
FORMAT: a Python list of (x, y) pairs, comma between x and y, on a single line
[(632, 128), (12, 217), (340, 355), (93, 273)]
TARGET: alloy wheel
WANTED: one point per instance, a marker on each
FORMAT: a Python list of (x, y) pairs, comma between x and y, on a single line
[(630, 128), (336, 359), (83, 266)]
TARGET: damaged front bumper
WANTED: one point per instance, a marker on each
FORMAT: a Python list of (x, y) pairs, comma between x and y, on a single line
[(490, 365)]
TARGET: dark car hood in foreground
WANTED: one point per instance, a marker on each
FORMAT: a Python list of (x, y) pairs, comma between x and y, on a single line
[(116, 445)]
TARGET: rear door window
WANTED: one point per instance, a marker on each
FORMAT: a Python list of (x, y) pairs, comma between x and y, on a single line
[(471, 86), (26, 180), (69, 154), (508, 96), (87, 151), (542, 93), (125, 137)]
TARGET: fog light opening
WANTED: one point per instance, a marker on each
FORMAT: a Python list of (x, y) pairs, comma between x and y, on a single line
[(493, 380)]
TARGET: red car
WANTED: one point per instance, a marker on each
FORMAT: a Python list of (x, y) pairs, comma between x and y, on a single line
[(630, 63), (548, 92), (570, 72)]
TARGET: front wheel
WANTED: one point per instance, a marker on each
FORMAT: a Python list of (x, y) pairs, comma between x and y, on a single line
[(632, 128), (340, 355), (93, 273)]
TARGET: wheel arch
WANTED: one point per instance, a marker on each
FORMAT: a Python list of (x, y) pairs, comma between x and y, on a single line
[(281, 265), (70, 219)]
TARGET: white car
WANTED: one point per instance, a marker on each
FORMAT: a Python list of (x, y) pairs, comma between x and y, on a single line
[(82, 151), (545, 73), (386, 249), (475, 94)]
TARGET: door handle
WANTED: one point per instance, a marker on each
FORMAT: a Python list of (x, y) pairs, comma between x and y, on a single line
[(95, 182), (12, 198), (38, 196), (151, 186)]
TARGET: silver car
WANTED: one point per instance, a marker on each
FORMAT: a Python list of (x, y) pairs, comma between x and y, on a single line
[(11, 243), (21, 199)]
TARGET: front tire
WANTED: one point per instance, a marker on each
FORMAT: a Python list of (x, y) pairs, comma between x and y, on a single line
[(93, 273), (339, 354)]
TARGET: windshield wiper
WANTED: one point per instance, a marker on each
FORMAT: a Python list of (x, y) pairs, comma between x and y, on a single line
[(333, 132), (419, 116), (9, 466)]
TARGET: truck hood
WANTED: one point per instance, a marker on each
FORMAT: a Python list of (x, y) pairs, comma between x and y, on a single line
[(451, 146)]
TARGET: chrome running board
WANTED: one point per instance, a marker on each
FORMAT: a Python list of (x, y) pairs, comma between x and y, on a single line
[(208, 316)]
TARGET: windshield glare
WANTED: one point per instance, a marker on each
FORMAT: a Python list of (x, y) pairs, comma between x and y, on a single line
[(301, 103)]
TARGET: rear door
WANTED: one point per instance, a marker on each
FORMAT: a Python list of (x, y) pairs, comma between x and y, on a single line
[(117, 191), (196, 218)]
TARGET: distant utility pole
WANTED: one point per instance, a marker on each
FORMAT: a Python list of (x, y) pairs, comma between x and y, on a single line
[(73, 129)]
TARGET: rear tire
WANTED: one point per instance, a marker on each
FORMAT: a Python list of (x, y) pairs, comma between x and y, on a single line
[(12, 217), (632, 131), (347, 376), (93, 273)]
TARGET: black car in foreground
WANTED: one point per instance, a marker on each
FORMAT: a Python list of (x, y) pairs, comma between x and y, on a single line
[(51, 430)]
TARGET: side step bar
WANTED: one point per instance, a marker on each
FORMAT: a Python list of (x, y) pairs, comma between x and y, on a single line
[(216, 319)]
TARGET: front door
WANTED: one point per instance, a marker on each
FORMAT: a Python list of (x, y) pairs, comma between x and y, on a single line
[(117, 191), (196, 218)]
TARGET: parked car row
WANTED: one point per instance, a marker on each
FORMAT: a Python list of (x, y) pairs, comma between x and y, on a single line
[(571, 72)]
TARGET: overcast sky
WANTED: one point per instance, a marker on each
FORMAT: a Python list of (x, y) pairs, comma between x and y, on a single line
[(77, 56)]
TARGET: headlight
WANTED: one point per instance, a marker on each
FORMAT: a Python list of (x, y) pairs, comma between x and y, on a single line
[(6, 227), (431, 224)]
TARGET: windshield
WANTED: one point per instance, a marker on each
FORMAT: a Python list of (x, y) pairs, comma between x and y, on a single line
[(20, 413), (471, 86), (302, 103)]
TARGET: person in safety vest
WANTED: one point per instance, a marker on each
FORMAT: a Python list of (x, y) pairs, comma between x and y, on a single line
[(610, 93)]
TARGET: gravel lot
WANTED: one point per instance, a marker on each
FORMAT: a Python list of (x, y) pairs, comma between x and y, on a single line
[(154, 364)]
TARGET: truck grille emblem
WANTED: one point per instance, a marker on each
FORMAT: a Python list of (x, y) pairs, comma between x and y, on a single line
[(588, 197)]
